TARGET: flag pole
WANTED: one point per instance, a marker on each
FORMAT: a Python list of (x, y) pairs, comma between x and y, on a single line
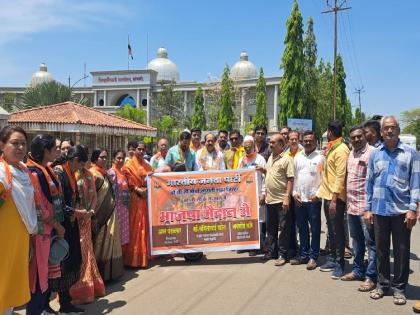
[(128, 53)]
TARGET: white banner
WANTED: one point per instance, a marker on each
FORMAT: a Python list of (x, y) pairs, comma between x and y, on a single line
[(120, 79)]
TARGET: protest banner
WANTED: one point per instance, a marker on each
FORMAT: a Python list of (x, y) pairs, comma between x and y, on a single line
[(203, 211)]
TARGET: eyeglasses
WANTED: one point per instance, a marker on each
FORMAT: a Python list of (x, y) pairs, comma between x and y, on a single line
[(233, 138), (260, 133), (103, 157)]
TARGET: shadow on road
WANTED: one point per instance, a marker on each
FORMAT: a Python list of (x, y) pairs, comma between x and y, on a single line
[(179, 261)]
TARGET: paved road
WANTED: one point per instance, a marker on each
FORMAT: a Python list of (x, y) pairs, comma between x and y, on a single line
[(230, 283)]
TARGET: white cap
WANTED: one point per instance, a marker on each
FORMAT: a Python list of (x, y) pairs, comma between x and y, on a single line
[(249, 138)]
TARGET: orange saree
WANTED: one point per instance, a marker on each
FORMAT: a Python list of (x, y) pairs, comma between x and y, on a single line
[(136, 252)]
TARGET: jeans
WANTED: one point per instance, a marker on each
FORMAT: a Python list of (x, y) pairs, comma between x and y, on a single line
[(336, 231), (309, 212), (363, 236), (385, 227), (277, 217)]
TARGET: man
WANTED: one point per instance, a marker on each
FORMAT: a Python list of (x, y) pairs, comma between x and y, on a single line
[(333, 193), (235, 152), (284, 131), (292, 150), (416, 307), (196, 139), (222, 141), (361, 233), (372, 130), (181, 154), (308, 207), (252, 159), (158, 160), (279, 173), (208, 158), (261, 144), (393, 195)]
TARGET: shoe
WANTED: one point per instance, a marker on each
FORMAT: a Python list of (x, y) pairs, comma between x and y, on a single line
[(337, 273), (280, 262), (71, 309), (324, 251), (252, 253), (299, 261), (267, 257), (311, 264), (328, 266)]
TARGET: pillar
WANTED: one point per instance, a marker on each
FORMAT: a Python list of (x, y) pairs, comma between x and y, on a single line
[(243, 94), (95, 98), (148, 107), (185, 102), (138, 102), (105, 103), (275, 109)]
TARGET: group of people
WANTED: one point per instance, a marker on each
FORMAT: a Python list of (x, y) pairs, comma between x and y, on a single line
[(369, 190), (68, 223)]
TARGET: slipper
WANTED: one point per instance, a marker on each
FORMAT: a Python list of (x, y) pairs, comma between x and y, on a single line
[(367, 286), (347, 253), (377, 294), (399, 299), (351, 277)]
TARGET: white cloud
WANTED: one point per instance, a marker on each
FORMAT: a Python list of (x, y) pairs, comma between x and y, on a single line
[(20, 18)]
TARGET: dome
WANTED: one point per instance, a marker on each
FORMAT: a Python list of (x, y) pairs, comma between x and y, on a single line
[(243, 69), (41, 76), (166, 69)]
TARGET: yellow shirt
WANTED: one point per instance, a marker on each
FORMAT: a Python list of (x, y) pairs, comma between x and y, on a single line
[(334, 174), (278, 171), (232, 157)]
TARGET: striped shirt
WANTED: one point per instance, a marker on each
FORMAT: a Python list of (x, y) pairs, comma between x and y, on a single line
[(393, 180), (357, 165)]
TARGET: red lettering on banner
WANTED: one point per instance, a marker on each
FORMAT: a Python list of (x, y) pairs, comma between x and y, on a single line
[(245, 210)]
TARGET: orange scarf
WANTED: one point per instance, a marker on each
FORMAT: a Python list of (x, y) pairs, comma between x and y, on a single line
[(137, 171), (121, 178), (203, 159), (86, 183), (98, 168), (54, 190), (72, 179), (246, 159)]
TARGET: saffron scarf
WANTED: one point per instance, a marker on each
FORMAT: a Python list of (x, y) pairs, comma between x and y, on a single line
[(203, 159), (86, 185), (54, 188), (72, 179), (247, 160), (99, 169)]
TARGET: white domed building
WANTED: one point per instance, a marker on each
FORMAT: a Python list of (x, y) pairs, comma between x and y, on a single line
[(41, 76), (243, 69), (166, 68)]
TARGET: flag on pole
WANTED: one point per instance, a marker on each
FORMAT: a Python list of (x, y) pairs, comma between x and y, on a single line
[(130, 51)]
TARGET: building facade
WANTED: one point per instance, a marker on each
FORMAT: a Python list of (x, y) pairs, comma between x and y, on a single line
[(112, 89)]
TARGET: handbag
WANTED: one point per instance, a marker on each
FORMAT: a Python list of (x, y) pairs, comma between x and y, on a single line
[(59, 250)]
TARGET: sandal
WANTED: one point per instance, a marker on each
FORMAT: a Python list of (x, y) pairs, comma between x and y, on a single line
[(399, 299), (377, 294), (367, 286), (351, 277), (347, 253)]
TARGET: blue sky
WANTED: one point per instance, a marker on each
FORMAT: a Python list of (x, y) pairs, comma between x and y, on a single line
[(379, 40)]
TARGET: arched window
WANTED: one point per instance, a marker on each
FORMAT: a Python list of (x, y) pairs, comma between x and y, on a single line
[(126, 99)]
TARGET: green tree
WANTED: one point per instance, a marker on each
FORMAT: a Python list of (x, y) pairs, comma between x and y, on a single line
[(343, 105), (225, 117), (260, 117), (49, 93), (323, 112), (359, 117), (168, 102), (310, 86), (8, 102), (166, 127), (411, 120), (292, 82), (131, 113), (198, 119)]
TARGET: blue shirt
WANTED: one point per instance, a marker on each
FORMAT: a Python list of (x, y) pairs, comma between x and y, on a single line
[(173, 157), (393, 180)]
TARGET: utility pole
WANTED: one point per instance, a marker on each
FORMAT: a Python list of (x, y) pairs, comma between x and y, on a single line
[(359, 91), (335, 9)]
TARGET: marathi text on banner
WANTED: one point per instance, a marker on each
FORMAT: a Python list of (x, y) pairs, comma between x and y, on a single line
[(203, 211)]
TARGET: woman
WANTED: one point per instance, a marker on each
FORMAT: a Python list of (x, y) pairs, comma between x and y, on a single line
[(122, 195), (90, 284), (136, 169), (107, 244), (18, 217), (65, 167), (49, 202)]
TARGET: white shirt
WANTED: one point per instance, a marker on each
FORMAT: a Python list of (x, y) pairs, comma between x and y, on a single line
[(210, 159), (259, 160), (308, 174)]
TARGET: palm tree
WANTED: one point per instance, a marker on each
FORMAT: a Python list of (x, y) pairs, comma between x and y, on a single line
[(48, 93)]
